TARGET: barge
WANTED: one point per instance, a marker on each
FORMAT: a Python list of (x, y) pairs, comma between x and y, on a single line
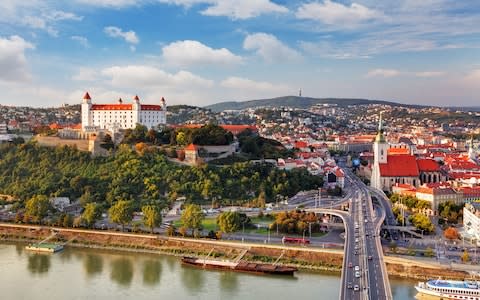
[(44, 247), (247, 267)]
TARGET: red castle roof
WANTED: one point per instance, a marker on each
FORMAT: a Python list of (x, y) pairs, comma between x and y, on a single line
[(111, 107), (399, 166), (87, 96)]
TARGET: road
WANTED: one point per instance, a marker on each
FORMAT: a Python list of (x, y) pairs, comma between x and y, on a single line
[(367, 251)]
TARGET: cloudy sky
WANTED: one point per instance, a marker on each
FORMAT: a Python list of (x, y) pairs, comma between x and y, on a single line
[(205, 51)]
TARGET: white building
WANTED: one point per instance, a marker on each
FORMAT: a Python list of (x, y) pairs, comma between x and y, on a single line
[(471, 220), (121, 115)]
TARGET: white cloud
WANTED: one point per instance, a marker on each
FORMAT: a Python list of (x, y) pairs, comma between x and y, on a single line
[(128, 36), (153, 78), (85, 74), (245, 84), (12, 59), (111, 3), (81, 40), (186, 53), (473, 77), (243, 9), (334, 13), (387, 73), (429, 74), (270, 48)]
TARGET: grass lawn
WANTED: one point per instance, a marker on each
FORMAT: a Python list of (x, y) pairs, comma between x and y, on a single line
[(207, 224)]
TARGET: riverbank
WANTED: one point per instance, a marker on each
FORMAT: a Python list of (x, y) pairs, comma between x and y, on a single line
[(301, 257)]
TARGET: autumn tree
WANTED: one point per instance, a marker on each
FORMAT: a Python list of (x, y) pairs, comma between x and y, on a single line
[(451, 233), (121, 213), (91, 214), (37, 207), (151, 216), (229, 221), (465, 256), (192, 217)]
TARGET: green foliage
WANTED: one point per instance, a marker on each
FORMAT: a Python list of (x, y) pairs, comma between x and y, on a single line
[(257, 147), (91, 214), (429, 252), (121, 213), (28, 169), (37, 207), (192, 217), (410, 202), (107, 142), (229, 221), (450, 211), (421, 222), (393, 246), (151, 216)]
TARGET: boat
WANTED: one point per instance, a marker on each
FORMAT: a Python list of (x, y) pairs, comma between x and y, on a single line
[(44, 247), (259, 268), (448, 289)]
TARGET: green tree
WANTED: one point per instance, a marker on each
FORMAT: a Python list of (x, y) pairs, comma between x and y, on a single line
[(229, 221), (37, 207), (107, 142), (91, 214), (429, 252), (151, 216), (67, 220), (121, 213), (393, 246), (192, 217)]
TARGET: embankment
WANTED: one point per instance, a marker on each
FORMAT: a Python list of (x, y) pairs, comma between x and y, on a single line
[(302, 257)]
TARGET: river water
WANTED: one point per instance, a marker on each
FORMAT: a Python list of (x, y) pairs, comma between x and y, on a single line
[(92, 274)]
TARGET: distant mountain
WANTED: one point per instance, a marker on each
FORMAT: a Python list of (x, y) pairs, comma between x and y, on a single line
[(296, 102)]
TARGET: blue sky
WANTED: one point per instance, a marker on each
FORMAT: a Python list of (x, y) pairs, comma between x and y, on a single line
[(205, 51)]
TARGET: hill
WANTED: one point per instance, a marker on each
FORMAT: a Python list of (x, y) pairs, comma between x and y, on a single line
[(296, 102)]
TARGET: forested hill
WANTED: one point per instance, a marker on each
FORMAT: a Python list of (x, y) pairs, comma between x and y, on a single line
[(29, 170), (296, 102)]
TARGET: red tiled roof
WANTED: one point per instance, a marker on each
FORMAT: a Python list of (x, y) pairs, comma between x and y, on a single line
[(136, 98), (301, 144), (428, 165), (399, 166), (87, 96), (191, 147), (111, 107), (150, 107)]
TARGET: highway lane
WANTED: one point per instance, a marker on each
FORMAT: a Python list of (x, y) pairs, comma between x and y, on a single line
[(374, 278)]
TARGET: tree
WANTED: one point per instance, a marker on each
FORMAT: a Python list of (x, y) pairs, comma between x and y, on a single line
[(393, 246), (465, 256), (192, 217), (171, 230), (121, 213), (429, 252), (91, 213), (37, 207), (229, 221), (67, 220), (451, 233), (421, 222), (151, 216), (107, 142)]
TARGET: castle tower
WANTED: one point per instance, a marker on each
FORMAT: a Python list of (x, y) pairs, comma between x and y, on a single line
[(86, 111), (136, 110), (380, 150)]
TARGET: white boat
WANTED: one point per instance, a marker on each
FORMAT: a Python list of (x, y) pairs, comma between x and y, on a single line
[(448, 289)]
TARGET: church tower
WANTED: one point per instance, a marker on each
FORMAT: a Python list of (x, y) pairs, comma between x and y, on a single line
[(380, 150), (86, 111), (472, 154)]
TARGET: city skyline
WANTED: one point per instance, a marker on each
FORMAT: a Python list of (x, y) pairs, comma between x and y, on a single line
[(202, 52)]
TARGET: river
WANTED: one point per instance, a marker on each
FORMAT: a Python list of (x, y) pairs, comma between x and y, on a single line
[(92, 274)]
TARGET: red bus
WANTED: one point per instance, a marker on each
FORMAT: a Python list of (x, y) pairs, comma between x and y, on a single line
[(292, 240)]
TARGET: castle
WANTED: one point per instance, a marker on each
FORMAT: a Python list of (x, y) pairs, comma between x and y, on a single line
[(121, 115)]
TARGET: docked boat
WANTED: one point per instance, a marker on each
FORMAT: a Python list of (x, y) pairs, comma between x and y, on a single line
[(448, 289), (239, 266), (44, 247)]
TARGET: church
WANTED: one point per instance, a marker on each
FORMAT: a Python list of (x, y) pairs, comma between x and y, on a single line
[(391, 167), (121, 115)]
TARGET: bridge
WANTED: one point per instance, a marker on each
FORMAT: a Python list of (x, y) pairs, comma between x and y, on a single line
[(363, 249)]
